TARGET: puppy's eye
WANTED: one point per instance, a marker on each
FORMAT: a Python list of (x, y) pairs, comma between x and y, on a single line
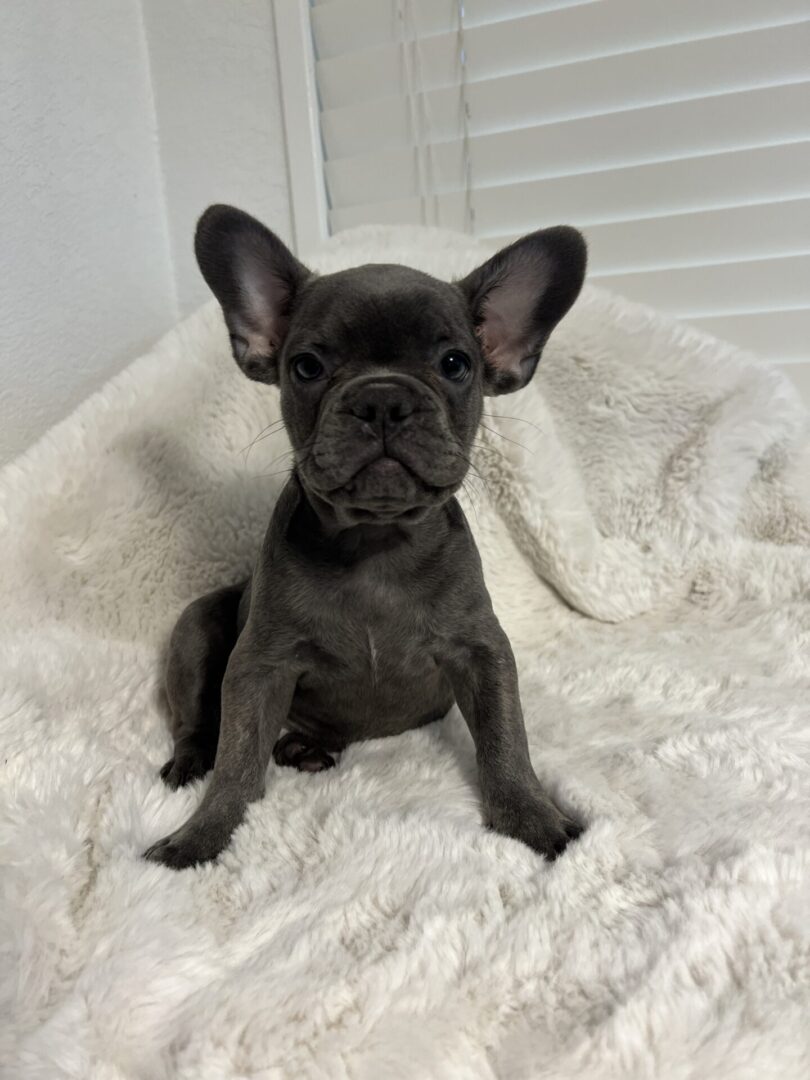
[(455, 366), (307, 367)]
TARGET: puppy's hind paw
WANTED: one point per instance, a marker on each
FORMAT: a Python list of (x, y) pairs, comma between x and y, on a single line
[(295, 751)]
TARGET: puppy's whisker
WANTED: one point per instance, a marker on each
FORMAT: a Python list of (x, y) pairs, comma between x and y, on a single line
[(506, 437), (472, 487), (286, 453), (488, 453), (469, 493), (482, 481), (266, 435), (263, 434), (517, 419), (471, 469), (279, 472), (487, 448), (304, 453)]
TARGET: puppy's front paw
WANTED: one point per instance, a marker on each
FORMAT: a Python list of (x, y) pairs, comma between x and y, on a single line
[(535, 820), (183, 768), (186, 847)]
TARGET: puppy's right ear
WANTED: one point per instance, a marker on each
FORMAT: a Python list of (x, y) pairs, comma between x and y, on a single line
[(256, 278)]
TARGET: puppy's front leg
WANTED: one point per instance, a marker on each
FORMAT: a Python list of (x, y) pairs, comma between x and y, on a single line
[(255, 701), (484, 679)]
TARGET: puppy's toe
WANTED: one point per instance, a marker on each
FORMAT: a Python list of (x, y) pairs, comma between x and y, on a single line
[(558, 839), (294, 751), (156, 852), (182, 769), (314, 760), (288, 748), (183, 849), (168, 853), (534, 819), (573, 829)]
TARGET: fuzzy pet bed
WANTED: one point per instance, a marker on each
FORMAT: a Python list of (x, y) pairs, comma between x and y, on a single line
[(644, 518)]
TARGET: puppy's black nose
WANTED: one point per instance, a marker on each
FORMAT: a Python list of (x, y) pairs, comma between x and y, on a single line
[(384, 404)]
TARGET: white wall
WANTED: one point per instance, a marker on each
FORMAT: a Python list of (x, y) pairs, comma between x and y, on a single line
[(215, 79), (120, 120), (84, 259)]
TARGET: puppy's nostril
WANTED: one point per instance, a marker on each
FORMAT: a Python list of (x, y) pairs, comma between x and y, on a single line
[(365, 411), (398, 411)]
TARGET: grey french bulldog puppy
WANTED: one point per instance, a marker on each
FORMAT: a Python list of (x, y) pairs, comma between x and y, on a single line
[(366, 613)]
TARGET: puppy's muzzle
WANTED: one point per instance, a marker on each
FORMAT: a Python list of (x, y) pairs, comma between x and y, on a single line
[(384, 451)]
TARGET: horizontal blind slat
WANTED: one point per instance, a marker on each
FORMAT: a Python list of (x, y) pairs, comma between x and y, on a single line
[(777, 335), (669, 73), (716, 181), (579, 33), (766, 230), (480, 11), (727, 289), (761, 117), (353, 25)]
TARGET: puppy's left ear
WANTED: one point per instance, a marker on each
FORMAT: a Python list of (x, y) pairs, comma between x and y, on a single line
[(517, 298)]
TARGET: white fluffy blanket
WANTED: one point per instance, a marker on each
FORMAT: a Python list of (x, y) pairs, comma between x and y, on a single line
[(647, 542)]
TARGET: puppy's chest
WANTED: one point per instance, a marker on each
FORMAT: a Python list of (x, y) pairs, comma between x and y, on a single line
[(372, 660), (378, 628)]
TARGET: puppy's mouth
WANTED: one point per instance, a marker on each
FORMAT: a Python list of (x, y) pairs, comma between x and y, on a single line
[(385, 490)]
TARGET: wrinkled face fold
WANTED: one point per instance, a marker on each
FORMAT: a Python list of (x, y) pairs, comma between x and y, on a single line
[(381, 384)]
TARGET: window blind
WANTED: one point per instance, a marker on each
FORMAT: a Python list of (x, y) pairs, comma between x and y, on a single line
[(675, 134)]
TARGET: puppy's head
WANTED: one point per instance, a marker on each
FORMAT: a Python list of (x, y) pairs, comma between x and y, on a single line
[(383, 369)]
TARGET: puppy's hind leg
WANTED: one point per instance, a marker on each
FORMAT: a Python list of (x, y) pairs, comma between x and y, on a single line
[(200, 646)]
